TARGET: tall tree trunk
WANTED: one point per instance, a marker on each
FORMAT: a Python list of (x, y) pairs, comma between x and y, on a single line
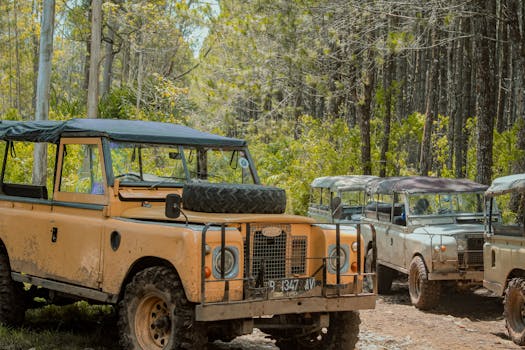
[(108, 63), (460, 108), (139, 79), (387, 83), (34, 37), (425, 162), (517, 38), (485, 27), (96, 34), (43, 86), (18, 82), (10, 60), (363, 116), (503, 54), (87, 58)]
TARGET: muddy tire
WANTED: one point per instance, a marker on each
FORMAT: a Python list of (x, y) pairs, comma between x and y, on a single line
[(424, 294), (514, 310), (385, 276), (342, 333), (155, 314), (233, 198), (368, 281), (12, 302)]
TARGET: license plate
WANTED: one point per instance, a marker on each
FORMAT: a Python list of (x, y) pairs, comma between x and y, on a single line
[(287, 285)]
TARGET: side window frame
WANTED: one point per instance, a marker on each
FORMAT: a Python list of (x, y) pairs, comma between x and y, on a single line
[(78, 197)]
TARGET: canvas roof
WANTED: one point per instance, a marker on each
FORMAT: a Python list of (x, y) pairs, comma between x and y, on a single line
[(507, 184), (343, 182), (423, 184), (115, 129)]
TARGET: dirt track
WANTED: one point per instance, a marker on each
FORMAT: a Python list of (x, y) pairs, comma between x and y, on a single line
[(464, 320)]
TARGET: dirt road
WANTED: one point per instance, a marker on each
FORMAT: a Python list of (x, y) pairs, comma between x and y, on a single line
[(464, 320)]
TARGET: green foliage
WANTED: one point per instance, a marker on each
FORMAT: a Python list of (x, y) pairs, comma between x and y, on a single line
[(505, 151), (470, 129), (76, 326), (405, 137), (441, 147), (118, 104), (321, 148)]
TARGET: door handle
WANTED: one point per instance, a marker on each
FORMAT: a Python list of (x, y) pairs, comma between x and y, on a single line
[(54, 234)]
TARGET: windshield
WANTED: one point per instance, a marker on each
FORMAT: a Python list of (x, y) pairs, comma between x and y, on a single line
[(151, 164), (509, 208), (445, 203)]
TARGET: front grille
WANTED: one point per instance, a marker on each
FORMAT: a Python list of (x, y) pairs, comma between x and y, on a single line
[(473, 256), (298, 256), (274, 257)]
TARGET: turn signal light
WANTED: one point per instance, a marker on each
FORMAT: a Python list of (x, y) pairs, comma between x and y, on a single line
[(354, 267), (442, 248), (207, 272)]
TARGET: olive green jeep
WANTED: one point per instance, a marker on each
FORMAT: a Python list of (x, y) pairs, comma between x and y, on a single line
[(504, 250), (172, 226)]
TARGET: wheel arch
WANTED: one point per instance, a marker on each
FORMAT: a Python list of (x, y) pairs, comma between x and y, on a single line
[(3, 250), (418, 254), (141, 264), (513, 274)]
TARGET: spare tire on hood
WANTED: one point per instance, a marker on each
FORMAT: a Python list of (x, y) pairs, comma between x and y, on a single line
[(233, 198)]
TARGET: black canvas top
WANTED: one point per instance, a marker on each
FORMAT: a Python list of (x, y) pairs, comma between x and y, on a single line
[(423, 184), (115, 129)]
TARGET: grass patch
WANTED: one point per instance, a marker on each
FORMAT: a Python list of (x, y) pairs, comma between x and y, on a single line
[(77, 326)]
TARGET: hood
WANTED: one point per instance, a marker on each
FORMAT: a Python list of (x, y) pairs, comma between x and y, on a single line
[(157, 214), (450, 229)]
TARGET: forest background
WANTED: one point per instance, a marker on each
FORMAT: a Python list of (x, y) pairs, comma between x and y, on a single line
[(317, 87)]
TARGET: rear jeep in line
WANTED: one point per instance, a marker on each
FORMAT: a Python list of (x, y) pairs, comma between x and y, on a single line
[(429, 229), (338, 199), (172, 226), (504, 250)]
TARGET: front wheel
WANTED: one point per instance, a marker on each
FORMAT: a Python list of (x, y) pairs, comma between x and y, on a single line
[(155, 314), (342, 333), (514, 310), (424, 294)]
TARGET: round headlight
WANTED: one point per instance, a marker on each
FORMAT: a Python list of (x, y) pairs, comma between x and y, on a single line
[(332, 259), (229, 262), (462, 244), (354, 247)]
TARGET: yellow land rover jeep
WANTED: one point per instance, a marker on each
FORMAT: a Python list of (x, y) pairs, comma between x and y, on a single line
[(170, 225)]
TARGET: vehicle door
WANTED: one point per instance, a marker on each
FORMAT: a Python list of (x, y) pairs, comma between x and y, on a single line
[(78, 212), (397, 231), (24, 207)]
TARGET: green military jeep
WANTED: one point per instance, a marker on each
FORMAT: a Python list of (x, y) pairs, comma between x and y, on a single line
[(504, 250), (172, 226)]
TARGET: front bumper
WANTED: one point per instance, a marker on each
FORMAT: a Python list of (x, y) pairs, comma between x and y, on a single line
[(256, 308), (474, 276)]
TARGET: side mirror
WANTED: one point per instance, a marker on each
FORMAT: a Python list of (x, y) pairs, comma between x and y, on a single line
[(337, 209), (173, 201)]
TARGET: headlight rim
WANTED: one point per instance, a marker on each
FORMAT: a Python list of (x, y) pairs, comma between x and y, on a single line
[(234, 271), (346, 263)]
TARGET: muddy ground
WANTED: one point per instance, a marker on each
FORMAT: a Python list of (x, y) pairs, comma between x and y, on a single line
[(464, 320)]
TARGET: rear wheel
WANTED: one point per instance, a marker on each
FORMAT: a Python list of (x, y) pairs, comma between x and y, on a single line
[(155, 314), (12, 303), (514, 310), (342, 333), (424, 294)]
